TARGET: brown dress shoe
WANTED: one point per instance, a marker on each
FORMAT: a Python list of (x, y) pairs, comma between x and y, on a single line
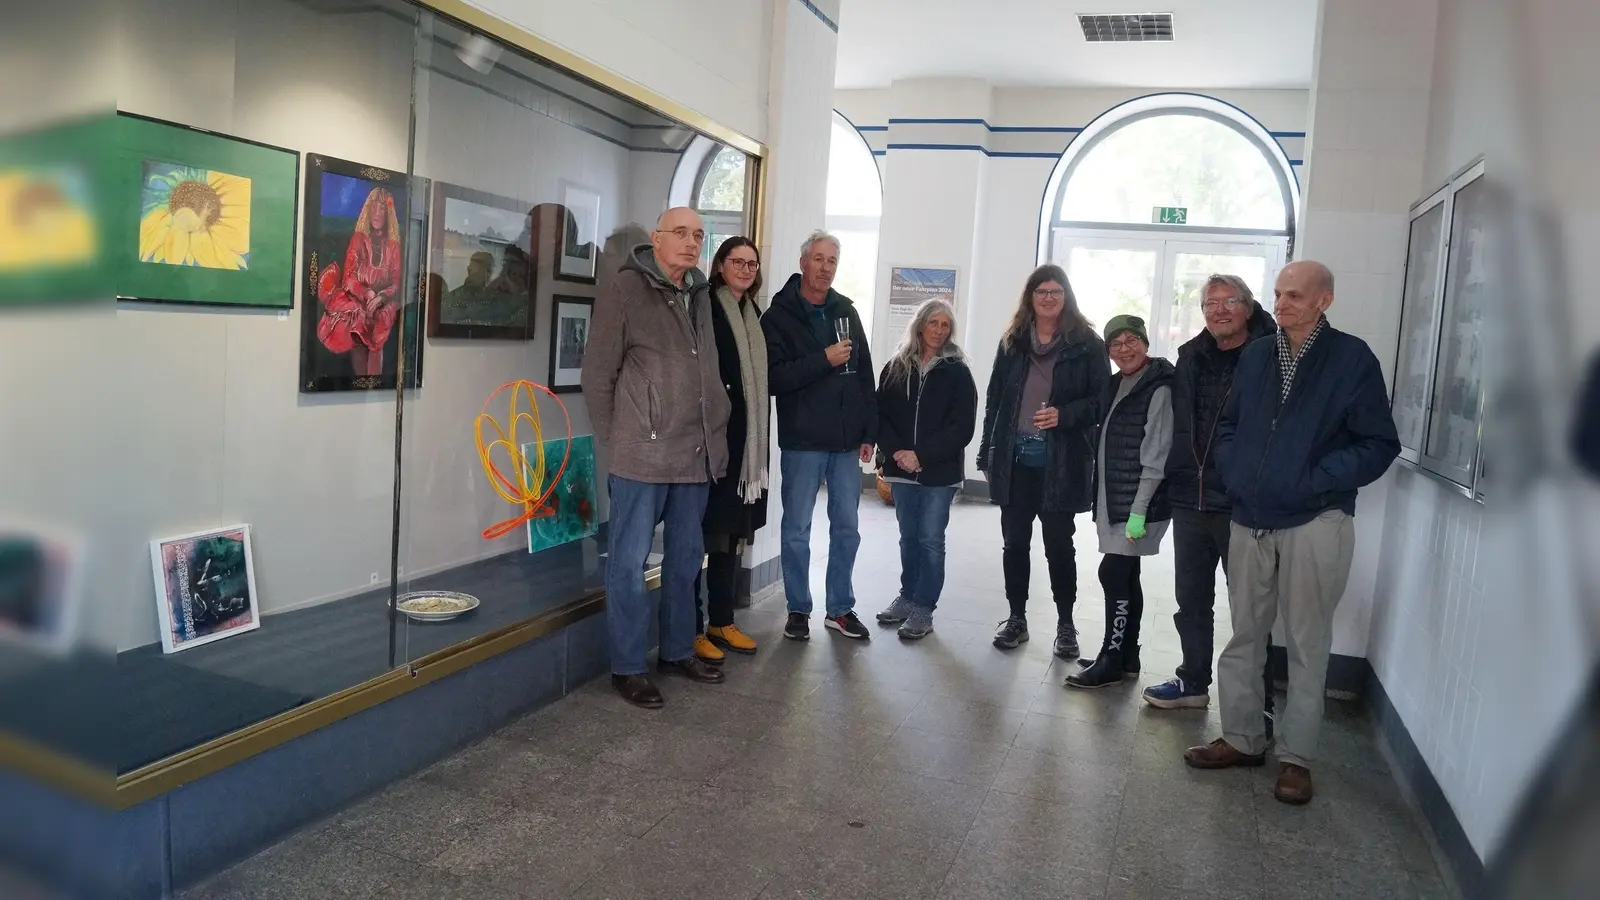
[(638, 690), (1294, 784), (694, 669), (1219, 754)]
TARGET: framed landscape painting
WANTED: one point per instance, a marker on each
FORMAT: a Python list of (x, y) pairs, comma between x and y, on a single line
[(202, 217), (360, 299), (205, 587), (480, 265)]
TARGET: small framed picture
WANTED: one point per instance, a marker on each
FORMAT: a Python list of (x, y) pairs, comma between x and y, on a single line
[(205, 587), (579, 243), (569, 337)]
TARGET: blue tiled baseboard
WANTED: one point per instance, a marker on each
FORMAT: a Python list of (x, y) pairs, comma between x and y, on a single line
[(1412, 771), (165, 845)]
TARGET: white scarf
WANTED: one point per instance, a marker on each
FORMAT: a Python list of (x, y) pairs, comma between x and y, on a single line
[(751, 343)]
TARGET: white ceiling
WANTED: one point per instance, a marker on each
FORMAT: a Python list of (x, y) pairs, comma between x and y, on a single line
[(1038, 43)]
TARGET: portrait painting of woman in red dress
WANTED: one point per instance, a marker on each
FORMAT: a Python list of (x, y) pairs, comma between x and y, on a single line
[(358, 302)]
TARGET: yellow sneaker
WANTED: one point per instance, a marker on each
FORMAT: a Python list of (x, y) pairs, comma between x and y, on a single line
[(730, 637), (706, 650)]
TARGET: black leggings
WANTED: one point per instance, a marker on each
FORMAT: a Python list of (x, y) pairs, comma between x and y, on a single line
[(1016, 530), (718, 577), (1119, 579)]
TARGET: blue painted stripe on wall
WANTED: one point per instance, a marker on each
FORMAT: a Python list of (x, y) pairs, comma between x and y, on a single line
[(999, 129), (1287, 134), (1297, 162), (999, 154), (832, 25), (880, 153)]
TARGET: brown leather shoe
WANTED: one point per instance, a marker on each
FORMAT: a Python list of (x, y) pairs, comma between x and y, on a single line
[(1219, 754), (1293, 785), (694, 669), (638, 690)]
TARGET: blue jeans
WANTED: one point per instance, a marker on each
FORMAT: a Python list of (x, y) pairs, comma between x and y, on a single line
[(923, 514), (804, 473), (636, 507)]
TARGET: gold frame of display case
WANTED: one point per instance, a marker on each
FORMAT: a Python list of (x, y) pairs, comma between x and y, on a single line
[(130, 789)]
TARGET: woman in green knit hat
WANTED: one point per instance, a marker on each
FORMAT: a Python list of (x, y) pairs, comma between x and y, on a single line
[(1131, 511)]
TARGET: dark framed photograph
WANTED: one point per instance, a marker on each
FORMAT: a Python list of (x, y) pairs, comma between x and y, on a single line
[(480, 266), (205, 587), (206, 218), (569, 338), (578, 246), (359, 299)]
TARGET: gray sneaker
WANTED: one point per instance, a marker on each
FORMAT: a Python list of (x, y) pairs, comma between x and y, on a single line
[(918, 625), (898, 611)]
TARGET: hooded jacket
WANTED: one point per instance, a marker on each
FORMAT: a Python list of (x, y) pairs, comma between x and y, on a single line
[(651, 377), (1286, 461), (820, 407), (932, 414), (1200, 387)]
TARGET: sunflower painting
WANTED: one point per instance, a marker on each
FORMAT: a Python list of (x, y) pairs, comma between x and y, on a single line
[(194, 217), (204, 218)]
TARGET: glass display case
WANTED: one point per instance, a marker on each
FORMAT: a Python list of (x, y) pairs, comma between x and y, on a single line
[(332, 424)]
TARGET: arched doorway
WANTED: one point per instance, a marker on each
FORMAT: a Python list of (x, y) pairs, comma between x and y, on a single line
[(854, 211), (1156, 195)]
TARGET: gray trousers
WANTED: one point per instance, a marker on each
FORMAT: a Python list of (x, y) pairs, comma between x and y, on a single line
[(1300, 574)]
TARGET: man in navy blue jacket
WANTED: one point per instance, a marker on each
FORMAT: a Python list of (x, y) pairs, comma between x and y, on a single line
[(1307, 424)]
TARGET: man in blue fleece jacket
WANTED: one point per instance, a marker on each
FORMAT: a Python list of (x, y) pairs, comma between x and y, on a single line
[(1306, 425)]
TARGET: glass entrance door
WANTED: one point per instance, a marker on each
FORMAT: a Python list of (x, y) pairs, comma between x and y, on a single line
[(1157, 279)]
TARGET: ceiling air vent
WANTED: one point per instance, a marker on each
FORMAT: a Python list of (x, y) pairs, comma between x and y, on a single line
[(1127, 27)]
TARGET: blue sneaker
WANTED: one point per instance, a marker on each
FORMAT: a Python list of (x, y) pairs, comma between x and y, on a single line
[(1174, 694)]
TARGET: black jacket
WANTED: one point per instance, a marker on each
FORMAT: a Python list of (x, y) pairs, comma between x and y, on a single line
[(726, 511), (819, 406), (1123, 429), (1202, 383), (1284, 463), (1586, 425), (1075, 386), (934, 417)]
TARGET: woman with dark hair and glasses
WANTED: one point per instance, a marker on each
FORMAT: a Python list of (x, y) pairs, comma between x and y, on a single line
[(737, 506), (1037, 448)]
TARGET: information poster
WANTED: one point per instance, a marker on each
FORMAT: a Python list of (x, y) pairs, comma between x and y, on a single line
[(911, 287)]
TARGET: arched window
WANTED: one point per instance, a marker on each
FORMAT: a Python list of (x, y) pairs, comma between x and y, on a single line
[(854, 209), (1158, 194), (714, 179)]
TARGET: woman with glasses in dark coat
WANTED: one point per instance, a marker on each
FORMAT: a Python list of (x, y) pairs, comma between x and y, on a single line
[(737, 505)]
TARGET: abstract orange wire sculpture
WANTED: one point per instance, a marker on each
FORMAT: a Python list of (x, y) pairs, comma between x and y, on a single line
[(527, 488)]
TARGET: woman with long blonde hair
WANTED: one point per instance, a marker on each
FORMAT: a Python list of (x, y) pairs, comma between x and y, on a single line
[(927, 411), (359, 303), (1038, 444)]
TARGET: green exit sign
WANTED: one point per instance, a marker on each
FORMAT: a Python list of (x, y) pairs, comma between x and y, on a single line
[(1170, 215)]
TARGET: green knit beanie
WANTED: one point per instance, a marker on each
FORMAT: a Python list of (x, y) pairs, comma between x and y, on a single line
[(1125, 323)]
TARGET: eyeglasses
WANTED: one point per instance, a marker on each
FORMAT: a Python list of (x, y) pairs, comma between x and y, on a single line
[(683, 233), (1050, 293), (747, 265), (1219, 305), (1125, 343)]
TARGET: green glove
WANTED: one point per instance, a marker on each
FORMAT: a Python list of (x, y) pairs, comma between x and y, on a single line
[(1135, 526)]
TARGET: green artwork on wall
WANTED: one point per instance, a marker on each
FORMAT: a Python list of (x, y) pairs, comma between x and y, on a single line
[(202, 217)]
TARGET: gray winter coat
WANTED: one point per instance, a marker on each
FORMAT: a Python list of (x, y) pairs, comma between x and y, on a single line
[(650, 377)]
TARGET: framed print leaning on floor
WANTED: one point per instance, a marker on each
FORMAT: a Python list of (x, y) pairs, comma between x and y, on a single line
[(205, 587), (202, 217)]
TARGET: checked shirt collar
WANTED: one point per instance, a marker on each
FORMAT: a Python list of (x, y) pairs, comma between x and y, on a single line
[(1288, 360)]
